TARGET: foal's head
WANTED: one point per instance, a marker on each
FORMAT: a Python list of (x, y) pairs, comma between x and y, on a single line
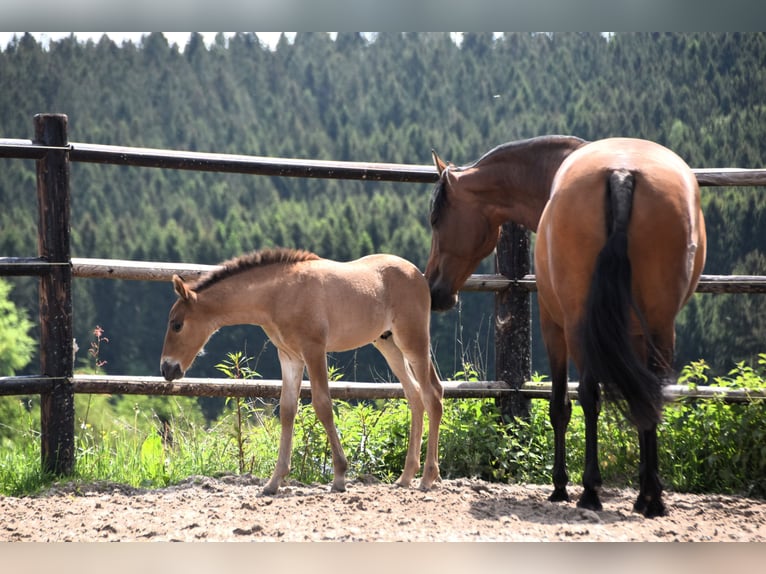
[(188, 330), (461, 236)]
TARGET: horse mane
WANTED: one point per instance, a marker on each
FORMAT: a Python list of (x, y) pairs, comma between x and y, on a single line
[(438, 200), (529, 146), (252, 260)]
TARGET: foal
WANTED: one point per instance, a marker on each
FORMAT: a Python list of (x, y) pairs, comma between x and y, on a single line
[(309, 306)]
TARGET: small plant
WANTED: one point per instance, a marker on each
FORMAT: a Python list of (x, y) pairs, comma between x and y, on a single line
[(694, 374), (237, 366), (94, 365), (468, 373)]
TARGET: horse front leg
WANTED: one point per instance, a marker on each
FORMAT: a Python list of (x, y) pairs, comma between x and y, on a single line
[(316, 364), (649, 501), (590, 399), (292, 373)]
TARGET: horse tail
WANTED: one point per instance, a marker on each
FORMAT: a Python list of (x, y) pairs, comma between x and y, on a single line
[(608, 353)]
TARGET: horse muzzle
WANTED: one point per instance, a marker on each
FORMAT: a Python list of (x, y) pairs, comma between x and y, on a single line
[(442, 299), (171, 370)]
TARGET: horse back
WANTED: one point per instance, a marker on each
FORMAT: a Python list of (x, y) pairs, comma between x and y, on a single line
[(349, 304)]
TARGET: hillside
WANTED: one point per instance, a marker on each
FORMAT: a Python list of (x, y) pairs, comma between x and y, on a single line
[(390, 99)]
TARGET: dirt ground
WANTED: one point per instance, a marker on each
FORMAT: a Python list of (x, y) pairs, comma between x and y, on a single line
[(232, 508)]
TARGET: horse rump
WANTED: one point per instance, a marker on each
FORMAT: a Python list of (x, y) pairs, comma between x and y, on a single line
[(608, 354)]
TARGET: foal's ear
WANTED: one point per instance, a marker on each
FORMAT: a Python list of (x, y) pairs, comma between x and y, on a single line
[(440, 165), (182, 290)]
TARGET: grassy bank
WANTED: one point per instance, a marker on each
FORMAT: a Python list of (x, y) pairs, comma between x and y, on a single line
[(705, 446)]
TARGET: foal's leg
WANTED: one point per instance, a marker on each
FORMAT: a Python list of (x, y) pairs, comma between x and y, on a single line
[(292, 373), (413, 392), (433, 394), (316, 363)]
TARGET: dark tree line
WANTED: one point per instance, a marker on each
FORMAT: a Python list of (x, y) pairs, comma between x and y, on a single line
[(389, 99)]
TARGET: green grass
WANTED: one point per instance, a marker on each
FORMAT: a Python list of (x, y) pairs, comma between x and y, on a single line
[(705, 446)]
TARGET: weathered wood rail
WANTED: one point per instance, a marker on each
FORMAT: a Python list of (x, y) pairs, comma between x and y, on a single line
[(342, 390), (56, 268)]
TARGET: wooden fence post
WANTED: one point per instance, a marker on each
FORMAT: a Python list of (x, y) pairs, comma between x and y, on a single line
[(513, 321), (56, 353)]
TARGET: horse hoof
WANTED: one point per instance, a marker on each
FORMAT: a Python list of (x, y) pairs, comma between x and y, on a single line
[(270, 490), (651, 508), (559, 495), (402, 483), (590, 501), (429, 480), (338, 487)]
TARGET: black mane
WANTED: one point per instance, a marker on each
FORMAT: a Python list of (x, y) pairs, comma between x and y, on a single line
[(438, 200), (250, 261)]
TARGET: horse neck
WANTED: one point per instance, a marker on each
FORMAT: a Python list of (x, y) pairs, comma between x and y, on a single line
[(244, 298), (515, 183)]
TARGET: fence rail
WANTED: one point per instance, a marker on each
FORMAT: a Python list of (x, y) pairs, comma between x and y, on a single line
[(290, 167), (343, 390), (55, 267), (162, 271)]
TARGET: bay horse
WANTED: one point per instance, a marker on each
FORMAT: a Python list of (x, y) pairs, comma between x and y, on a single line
[(309, 306), (619, 250)]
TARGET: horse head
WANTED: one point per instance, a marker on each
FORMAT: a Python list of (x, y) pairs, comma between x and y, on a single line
[(186, 334), (461, 236)]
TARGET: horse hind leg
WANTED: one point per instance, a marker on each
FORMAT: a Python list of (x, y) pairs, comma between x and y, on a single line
[(560, 407), (590, 399), (649, 501), (432, 393), (413, 393)]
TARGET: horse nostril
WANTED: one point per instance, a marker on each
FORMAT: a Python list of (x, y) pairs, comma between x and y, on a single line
[(171, 371)]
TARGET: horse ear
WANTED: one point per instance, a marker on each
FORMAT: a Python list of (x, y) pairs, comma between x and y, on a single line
[(440, 165), (182, 290)]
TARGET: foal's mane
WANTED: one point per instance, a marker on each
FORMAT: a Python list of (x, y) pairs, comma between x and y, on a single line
[(250, 261)]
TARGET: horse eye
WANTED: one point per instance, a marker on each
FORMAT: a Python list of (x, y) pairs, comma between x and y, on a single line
[(176, 326)]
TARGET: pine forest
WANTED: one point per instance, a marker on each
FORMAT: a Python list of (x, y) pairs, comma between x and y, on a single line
[(386, 97)]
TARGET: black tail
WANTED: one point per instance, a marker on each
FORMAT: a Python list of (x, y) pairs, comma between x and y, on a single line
[(608, 355)]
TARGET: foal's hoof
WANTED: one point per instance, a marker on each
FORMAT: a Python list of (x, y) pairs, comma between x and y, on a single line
[(338, 487), (649, 507), (428, 484), (430, 478), (402, 482)]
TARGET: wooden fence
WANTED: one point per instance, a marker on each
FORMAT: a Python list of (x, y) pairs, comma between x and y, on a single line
[(56, 268)]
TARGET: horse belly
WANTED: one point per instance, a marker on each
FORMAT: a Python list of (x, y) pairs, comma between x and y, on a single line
[(354, 317), (354, 329)]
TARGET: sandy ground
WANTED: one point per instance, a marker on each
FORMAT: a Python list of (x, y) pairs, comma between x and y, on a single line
[(232, 508)]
